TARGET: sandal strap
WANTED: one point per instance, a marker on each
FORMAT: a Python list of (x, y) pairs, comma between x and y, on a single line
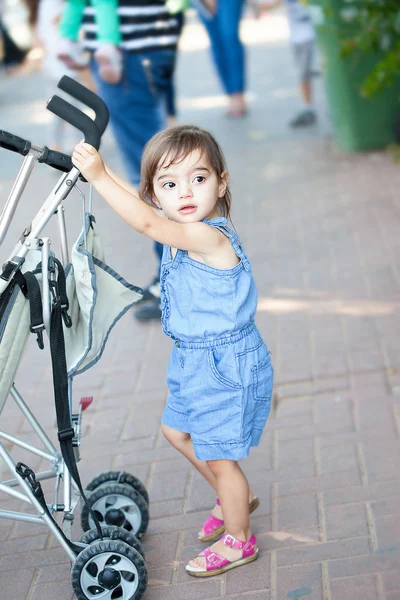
[(214, 560), (212, 524), (231, 542)]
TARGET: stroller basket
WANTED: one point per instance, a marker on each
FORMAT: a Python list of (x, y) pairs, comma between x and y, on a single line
[(76, 302)]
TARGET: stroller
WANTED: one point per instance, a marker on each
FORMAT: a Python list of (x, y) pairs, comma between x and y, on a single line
[(76, 302)]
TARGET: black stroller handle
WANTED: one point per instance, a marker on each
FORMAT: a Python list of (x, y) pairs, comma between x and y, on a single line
[(77, 119), (81, 93), (57, 160), (12, 142)]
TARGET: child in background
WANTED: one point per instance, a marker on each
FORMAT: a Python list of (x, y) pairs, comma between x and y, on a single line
[(302, 36), (108, 55), (220, 374)]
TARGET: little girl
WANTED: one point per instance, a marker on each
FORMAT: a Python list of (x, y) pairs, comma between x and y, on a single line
[(219, 374)]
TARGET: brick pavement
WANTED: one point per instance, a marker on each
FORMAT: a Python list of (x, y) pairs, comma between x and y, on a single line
[(321, 229)]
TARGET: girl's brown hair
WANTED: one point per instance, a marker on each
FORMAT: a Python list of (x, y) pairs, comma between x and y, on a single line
[(173, 145)]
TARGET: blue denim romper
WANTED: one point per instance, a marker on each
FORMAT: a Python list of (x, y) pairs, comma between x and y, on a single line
[(220, 374)]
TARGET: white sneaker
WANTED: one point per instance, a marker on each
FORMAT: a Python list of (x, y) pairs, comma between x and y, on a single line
[(71, 54), (109, 59)]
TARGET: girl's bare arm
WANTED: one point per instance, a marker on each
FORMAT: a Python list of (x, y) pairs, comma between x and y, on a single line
[(124, 184), (125, 200)]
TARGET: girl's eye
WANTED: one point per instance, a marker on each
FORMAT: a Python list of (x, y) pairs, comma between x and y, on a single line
[(199, 179), (169, 185)]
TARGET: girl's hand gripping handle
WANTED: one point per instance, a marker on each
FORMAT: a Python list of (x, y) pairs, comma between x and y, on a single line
[(89, 162)]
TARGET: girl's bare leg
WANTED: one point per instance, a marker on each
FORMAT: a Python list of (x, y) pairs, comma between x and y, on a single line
[(183, 442), (233, 492)]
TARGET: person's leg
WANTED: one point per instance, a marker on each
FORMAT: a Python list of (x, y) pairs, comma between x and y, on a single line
[(228, 52), (217, 50), (304, 54), (228, 18), (183, 443), (306, 92), (233, 491)]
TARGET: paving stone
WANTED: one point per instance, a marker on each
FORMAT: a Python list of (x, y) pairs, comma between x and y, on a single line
[(37, 558), (174, 465), (382, 460), (327, 428), (387, 531), (296, 457), (164, 487), (198, 590), (345, 521), (264, 595), (300, 581), (160, 577), (166, 509), (54, 573), (385, 560), (356, 588), (292, 537), (16, 585), (389, 506), (294, 511), (49, 591), (160, 550), (362, 493), (319, 484), (324, 551), (391, 581), (249, 579), (26, 544), (341, 458)]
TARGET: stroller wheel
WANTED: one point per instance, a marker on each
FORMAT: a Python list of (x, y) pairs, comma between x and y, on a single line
[(113, 533), (119, 477), (118, 505), (109, 569)]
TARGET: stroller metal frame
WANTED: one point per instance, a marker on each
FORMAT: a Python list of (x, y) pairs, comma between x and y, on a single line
[(31, 240)]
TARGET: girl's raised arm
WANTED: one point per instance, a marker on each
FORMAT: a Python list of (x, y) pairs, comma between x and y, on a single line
[(125, 201)]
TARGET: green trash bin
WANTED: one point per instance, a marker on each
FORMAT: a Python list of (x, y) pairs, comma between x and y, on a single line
[(358, 123)]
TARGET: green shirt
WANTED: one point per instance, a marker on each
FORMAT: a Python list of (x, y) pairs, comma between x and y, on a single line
[(175, 6)]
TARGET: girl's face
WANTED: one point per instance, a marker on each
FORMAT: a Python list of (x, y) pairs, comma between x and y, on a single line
[(188, 191)]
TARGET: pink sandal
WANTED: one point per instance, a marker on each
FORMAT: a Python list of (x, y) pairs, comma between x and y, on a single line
[(214, 527), (217, 564)]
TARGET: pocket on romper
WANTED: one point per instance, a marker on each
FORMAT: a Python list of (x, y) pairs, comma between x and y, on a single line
[(223, 365), (263, 376)]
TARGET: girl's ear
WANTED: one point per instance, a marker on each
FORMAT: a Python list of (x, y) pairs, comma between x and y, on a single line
[(223, 183), (155, 202)]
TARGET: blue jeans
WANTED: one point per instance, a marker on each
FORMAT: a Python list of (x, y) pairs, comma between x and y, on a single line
[(226, 47), (137, 105)]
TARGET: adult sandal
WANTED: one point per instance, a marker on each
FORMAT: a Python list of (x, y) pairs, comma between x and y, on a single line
[(217, 564), (214, 527)]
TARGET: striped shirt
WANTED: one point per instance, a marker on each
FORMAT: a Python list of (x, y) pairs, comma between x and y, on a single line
[(144, 25)]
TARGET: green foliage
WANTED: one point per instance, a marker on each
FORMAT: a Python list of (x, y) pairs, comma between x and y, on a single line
[(373, 26)]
